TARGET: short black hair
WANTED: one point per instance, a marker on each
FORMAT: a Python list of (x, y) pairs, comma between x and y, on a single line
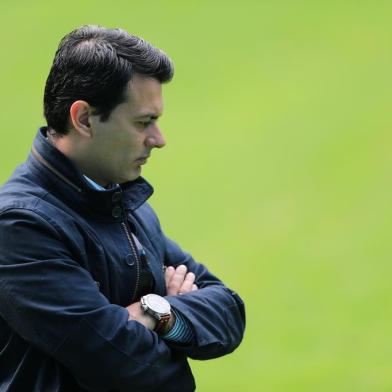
[(94, 64)]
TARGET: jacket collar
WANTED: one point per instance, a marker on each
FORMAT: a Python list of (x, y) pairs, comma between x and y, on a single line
[(61, 175)]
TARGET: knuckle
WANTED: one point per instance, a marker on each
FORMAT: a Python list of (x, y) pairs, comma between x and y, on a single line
[(173, 285)]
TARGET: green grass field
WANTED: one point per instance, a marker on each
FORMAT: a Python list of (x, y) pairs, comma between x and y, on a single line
[(277, 170)]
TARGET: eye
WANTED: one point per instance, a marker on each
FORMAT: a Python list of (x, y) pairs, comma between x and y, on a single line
[(145, 124)]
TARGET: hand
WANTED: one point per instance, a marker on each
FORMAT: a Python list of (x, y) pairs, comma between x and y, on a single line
[(136, 312), (178, 281)]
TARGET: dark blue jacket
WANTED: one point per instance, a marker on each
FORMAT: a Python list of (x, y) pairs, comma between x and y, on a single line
[(67, 272)]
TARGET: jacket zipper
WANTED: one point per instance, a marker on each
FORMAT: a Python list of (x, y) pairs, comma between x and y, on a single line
[(135, 255)]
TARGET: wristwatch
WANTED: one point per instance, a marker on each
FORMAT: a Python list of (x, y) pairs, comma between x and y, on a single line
[(157, 307)]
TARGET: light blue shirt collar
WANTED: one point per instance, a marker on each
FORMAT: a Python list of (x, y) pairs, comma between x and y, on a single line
[(96, 186)]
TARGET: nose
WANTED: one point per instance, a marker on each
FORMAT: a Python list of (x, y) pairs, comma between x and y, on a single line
[(155, 139)]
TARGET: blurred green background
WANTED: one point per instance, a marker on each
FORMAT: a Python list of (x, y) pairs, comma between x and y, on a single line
[(277, 171)]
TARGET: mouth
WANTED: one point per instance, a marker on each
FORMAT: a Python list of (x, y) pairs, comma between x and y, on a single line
[(142, 160)]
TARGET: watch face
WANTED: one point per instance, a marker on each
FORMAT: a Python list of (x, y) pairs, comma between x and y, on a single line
[(157, 304)]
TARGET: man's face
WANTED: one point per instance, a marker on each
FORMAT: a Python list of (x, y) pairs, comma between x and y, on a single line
[(122, 143)]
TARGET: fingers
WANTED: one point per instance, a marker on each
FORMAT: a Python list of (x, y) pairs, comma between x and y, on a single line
[(175, 283), (178, 278), (169, 274), (187, 283), (178, 281)]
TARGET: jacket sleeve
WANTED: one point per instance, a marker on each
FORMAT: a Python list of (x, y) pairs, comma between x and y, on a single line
[(53, 303), (216, 313)]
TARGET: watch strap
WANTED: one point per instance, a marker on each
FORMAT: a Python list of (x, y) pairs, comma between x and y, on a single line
[(161, 323)]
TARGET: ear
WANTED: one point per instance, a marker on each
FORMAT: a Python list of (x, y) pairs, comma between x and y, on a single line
[(80, 113)]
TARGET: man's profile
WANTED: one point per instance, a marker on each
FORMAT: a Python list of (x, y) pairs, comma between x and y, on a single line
[(93, 295)]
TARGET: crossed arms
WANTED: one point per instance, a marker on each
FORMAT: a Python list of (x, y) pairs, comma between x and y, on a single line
[(54, 304)]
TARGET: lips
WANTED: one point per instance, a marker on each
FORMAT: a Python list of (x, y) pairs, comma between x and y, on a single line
[(142, 160)]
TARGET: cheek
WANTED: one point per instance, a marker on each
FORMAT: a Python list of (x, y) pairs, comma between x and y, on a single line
[(118, 149), (124, 154)]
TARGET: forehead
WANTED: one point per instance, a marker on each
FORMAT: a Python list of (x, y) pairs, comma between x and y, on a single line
[(144, 96)]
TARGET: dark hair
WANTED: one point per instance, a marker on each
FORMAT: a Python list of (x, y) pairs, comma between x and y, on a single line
[(95, 64)]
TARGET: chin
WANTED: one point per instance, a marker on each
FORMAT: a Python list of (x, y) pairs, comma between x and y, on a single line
[(133, 176)]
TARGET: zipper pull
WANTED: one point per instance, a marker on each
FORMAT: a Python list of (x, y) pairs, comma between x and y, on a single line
[(143, 256)]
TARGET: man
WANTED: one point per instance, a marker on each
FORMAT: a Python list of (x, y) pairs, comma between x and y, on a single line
[(93, 295)]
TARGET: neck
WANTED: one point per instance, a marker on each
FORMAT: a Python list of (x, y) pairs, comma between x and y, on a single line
[(66, 145)]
